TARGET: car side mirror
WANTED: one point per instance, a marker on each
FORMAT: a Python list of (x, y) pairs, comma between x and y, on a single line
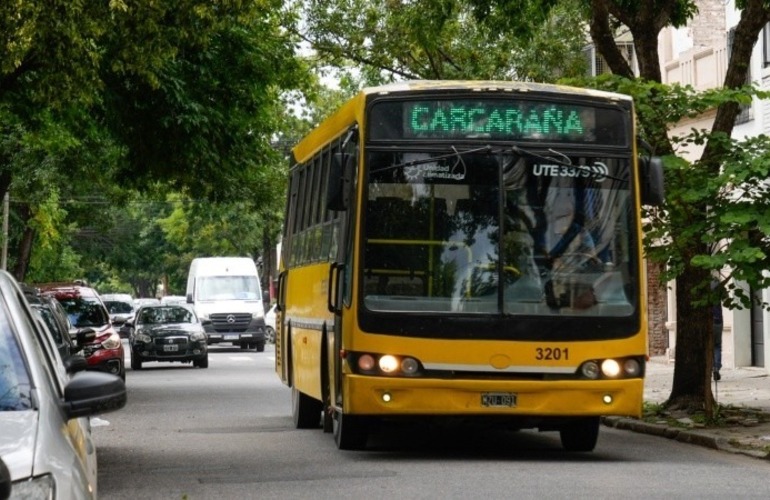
[(75, 363), (85, 335)]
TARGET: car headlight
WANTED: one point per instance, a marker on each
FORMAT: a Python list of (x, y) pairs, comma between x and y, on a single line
[(36, 487), (142, 336), (197, 336)]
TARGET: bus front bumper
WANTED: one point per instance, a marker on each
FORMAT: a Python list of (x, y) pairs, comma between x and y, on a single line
[(414, 397)]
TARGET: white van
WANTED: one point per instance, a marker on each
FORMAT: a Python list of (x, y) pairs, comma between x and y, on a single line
[(226, 291)]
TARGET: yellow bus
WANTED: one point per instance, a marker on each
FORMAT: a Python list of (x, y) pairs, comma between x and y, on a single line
[(466, 249)]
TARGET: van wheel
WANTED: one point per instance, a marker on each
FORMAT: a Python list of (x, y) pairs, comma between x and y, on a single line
[(305, 411)]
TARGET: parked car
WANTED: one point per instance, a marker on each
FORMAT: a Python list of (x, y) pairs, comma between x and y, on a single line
[(120, 306), (270, 324), (85, 310), (167, 333), (56, 324), (45, 437)]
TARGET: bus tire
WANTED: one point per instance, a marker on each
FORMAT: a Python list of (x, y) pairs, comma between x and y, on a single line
[(305, 411), (580, 435), (350, 431)]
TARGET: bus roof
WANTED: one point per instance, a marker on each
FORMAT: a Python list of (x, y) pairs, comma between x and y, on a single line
[(352, 110)]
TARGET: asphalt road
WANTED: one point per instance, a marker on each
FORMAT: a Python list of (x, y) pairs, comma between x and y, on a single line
[(226, 432)]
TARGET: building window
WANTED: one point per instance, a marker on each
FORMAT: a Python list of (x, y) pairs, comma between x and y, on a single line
[(598, 66), (766, 46)]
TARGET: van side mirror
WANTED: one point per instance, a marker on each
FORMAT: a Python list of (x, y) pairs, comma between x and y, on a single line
[(651, 182), (340, 176)]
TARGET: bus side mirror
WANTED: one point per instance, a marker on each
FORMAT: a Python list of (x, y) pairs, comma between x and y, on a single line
[(338, 189), (651, 181)]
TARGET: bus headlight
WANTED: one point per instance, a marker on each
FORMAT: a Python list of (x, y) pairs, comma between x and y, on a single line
[(366, 362), (610, 368), (384, 364), (409, 366), (590, 370), (632, 368), (388, 363)]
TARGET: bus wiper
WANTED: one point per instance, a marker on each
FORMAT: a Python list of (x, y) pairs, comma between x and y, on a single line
[(432, 159), (564, 161)]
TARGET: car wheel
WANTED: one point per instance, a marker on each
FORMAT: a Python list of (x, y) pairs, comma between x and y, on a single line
[(202, 362), (260, 347), (136, 362), (270, 335)]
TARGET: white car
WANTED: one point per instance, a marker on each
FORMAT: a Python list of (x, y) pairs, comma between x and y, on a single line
[(46, 450), (270, 325)]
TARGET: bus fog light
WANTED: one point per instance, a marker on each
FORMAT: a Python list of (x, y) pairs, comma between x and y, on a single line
[(607, 399), (388, 363), (386, 397), (610, 368), (590, 370), (366, 362), (409, 366), (632, 368)]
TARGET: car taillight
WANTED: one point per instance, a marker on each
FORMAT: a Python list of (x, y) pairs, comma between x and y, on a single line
[(112, 341)]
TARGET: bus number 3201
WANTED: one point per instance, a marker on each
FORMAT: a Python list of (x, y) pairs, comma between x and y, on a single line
[(551, 353)]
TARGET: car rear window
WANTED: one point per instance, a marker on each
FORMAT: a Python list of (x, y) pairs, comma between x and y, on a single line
[(83, 312)]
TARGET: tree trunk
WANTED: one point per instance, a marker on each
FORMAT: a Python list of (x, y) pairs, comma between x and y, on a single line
[(691, 389), (24, 251)]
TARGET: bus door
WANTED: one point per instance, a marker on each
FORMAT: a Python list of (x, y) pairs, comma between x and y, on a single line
[(340, 197)]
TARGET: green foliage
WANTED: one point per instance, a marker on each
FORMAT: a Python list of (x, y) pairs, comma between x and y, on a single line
[(443, 39)]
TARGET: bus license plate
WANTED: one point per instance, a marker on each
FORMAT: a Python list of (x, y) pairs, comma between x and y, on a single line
[(498, 399)]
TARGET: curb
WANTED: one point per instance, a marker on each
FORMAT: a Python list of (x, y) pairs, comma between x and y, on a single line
[(696, 437)]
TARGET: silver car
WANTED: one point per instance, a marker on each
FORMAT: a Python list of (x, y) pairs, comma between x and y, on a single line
[(46, 450)]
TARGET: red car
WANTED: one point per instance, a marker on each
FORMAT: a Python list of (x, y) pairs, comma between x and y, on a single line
[(85, 310)]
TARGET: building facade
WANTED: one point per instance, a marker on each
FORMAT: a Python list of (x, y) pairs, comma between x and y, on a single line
[(697, 55)]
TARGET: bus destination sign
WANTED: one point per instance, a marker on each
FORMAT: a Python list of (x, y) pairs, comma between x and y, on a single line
[(500, 119)]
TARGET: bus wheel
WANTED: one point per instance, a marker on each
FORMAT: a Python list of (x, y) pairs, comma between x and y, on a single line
[(305, 411), (350, 431), (580, 435)]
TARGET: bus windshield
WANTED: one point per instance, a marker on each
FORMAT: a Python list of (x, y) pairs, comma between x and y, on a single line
[(505, 233)]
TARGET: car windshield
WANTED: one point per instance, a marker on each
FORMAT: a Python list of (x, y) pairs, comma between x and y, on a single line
[(83, 312), (118, 307), (166, 314), (15, 387)]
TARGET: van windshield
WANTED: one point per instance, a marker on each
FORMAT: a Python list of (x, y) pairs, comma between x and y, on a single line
[(228, 288)]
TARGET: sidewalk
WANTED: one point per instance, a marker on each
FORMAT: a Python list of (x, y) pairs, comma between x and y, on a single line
[(745, 432)]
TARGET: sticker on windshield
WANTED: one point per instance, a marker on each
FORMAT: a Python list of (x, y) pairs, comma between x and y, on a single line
[(598, 171), (422, 171)]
